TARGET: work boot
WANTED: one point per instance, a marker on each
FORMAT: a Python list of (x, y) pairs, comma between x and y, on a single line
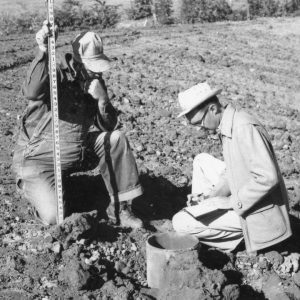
[(121, 214), (127, 217)]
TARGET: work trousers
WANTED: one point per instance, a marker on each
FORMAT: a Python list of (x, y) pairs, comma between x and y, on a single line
[(217, 229), (34, 168)]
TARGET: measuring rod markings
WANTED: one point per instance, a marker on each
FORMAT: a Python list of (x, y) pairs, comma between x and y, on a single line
[(55, 115)]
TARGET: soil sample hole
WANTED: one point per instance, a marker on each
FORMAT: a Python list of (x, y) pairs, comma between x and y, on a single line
[(173, 241)]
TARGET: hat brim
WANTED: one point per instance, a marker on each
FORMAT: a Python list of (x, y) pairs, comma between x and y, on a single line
[(201, 101), (97, 65)]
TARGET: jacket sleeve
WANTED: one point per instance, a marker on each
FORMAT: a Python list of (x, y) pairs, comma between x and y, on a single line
[(107, 117), (257, 155), (36, 85)]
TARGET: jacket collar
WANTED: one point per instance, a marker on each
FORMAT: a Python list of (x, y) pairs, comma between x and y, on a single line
[(227, 121), (64, 60), (66, 63)]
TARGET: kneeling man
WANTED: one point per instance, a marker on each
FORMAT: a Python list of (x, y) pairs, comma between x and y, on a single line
[(243, 197)]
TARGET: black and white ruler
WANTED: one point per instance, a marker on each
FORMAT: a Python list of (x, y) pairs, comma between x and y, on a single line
[(55, 116)]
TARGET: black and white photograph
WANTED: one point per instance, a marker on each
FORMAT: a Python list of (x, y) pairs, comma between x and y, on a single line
[(150, 149)]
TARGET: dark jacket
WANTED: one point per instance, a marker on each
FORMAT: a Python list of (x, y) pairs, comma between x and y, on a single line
[(78, 112)]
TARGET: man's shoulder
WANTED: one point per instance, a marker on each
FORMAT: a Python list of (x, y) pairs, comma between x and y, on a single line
[(242, 117)]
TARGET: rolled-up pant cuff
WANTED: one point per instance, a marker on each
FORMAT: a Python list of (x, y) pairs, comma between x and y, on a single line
[(128, 195)]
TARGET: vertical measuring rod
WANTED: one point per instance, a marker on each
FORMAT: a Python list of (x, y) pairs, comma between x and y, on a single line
[(55, 116)]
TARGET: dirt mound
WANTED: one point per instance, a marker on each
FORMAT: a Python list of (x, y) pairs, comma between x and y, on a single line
[(76, 227), (187, 278)]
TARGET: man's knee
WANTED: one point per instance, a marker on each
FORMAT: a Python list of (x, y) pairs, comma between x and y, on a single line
[(44, 200), (117, 139), (201, 159), (176, 222), (47, 217), (183, 222)]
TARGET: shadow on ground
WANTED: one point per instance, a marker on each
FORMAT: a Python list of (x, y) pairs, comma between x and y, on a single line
[(161, 199)]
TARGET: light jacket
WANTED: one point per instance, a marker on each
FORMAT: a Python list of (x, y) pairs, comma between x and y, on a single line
[(258, 193)]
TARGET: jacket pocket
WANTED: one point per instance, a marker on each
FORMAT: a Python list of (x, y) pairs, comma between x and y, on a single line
[(266, 224)]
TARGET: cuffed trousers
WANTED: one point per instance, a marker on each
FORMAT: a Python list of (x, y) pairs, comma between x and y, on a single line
[(219, 230), (34, 168)]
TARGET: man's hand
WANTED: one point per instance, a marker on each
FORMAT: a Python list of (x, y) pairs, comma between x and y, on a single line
[(97, 90), (208, 206), (43, 34), (194, 199), (217, 202)]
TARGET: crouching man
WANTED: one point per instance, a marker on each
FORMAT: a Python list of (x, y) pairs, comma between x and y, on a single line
[(87, 122), (243, 197)]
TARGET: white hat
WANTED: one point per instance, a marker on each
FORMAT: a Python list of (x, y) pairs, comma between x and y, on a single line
[(88, 49), (194, 96)]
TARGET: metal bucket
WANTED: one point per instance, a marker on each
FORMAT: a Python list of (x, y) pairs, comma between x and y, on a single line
[(160, 247)]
